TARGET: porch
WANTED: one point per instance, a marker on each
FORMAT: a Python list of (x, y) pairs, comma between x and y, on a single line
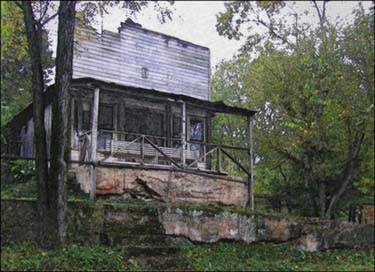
[(120, 126)]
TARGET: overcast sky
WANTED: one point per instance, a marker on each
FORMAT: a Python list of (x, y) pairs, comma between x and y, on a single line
[(195, 21)]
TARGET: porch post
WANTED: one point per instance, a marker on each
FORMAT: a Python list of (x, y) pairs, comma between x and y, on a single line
[(183, 134), (251, 160), (72, 120), (79, 123), (94, 138)]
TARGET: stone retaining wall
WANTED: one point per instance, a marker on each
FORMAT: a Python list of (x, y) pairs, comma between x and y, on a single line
[(19, 221), (309, 234), (199, 223), (165, 186)]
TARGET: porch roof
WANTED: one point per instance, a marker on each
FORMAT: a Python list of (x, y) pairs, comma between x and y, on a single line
[(218, 106)]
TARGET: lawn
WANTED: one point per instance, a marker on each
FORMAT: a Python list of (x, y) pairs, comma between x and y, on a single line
[(226, 256), (222, 256)]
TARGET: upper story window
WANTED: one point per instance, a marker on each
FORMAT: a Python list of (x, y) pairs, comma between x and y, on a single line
[(144, 72)]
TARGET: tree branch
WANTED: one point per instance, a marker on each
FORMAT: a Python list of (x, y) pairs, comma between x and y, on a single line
[(348, 172), (18, 4), (49, 19), (44, 12), (318, 10)]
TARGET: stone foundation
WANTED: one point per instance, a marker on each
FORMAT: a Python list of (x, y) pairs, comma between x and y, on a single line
[(163, 185)]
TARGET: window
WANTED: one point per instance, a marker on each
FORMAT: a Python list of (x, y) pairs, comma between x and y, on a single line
[(144, 121), (144, 72), (105, 118), (176, 131), (105, 121), (196, 133), (85, 117)]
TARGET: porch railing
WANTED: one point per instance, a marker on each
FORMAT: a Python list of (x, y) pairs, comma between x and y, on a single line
[(157, 150), (125, 147)]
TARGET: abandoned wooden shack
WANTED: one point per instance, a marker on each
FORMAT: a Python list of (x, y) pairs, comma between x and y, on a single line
[(141, 121)]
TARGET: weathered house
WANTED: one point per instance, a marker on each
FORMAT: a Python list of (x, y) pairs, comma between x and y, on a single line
[(140, 120)]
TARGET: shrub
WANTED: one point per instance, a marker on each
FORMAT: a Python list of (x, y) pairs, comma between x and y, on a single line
[(22, 171)]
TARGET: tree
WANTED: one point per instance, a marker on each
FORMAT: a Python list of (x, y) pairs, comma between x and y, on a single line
[(51, 184), (314, 90), (34, 29), (15, 62)]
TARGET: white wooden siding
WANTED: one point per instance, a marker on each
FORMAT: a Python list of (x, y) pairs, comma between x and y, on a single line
[(174, 66)]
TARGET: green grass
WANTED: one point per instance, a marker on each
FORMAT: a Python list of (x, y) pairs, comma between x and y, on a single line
[(230, 256), (222, 256), (27, 190), (29, 256), (18, 190)]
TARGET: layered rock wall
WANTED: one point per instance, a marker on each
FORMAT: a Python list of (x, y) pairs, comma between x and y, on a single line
[(309, 234), (90, 222), (169, 186)]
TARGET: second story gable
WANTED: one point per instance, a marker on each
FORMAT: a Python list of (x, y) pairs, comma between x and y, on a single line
[(143, 58)]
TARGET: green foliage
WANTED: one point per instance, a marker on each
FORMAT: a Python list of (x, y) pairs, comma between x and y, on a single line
[(29, 256), (314, 93), (226, 256), (15, 62), (214, 210), (19, 190), (223, 256), (22, 171)]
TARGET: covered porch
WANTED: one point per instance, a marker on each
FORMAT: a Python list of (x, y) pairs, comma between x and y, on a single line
[(119, 125)]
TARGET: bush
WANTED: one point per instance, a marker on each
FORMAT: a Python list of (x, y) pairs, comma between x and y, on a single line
[(22, 171)]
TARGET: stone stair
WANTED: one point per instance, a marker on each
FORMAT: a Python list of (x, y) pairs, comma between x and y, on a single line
[(138, 231)]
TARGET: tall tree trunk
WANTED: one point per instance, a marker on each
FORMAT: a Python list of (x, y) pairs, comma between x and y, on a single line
[(348, 174), (322, 198), (64, 61), (310, 208), (34, 38)]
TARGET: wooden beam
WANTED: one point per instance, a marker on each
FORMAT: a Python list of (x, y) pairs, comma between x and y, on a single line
[(218, 159), (94, 138), (251, 160), (235, 161), (94, 124), (208, 138), (161, 152), (183, 134)]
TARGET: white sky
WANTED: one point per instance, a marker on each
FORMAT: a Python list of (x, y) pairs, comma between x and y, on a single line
[(195, 21)]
